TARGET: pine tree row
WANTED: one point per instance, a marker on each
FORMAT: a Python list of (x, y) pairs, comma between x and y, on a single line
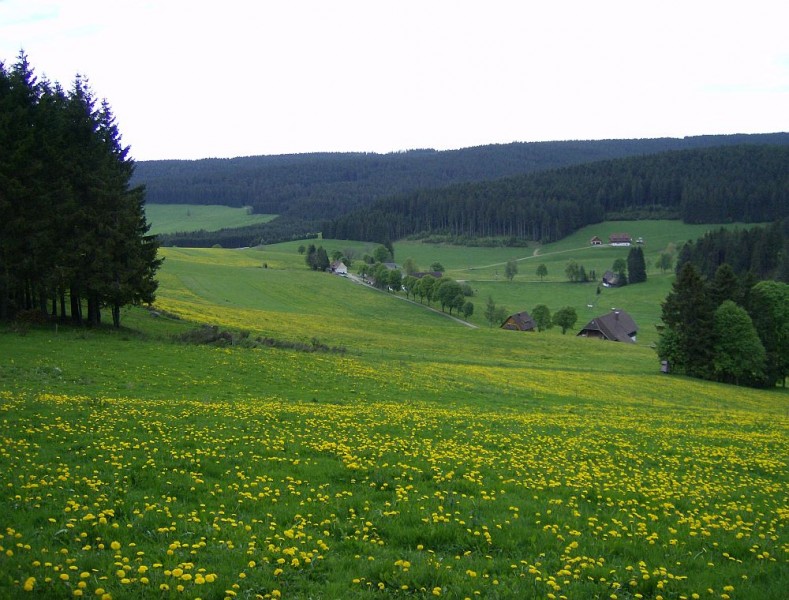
[(73, 234)]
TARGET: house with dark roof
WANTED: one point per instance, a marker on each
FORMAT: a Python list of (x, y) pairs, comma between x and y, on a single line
[(596, 241), (611, 279), (420, 274), (521, 321), (620, 239), (616, 326)]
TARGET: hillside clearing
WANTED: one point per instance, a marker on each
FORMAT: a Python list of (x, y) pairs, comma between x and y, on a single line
[(174, 218)]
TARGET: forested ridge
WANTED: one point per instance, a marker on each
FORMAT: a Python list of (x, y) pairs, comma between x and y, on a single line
[(307, 190), (747, 183)]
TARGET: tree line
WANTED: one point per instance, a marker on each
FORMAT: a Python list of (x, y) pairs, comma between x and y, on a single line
[(73, 233), (748, 183), (758, 252)]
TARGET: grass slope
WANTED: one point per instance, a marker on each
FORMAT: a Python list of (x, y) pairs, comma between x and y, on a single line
[(174, 218), (428, 460)]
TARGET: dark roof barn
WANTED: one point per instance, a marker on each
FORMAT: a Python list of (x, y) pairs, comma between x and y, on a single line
[(521, 321), (616, 326)]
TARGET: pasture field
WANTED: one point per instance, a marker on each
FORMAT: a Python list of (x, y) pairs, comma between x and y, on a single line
[(174, 218), (426, 459)]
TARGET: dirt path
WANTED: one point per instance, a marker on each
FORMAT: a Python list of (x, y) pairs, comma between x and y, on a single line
[(534, 254)]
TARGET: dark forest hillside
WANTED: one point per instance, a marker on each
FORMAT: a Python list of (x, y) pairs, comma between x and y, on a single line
[(328, 182), (748, 183), (307, 190)]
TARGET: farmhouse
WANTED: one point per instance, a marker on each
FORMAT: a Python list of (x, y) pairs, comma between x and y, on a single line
[(616, 326), (521, 321), (611, 279), (620, 239), (596, 241), (339, 268), (436, 274)]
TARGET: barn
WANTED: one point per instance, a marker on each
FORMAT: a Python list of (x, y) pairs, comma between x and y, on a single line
[(521, 321), (616, 326)]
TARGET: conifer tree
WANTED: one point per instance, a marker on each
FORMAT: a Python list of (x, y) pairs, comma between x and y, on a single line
[(688, 314), (70, 224), (636, 265)]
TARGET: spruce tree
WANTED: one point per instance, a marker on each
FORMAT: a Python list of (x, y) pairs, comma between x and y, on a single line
[(636, 265), (725, 286), (70, 225), (688, 313)]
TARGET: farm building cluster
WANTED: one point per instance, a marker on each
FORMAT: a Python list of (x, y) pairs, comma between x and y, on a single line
[(615, 326)]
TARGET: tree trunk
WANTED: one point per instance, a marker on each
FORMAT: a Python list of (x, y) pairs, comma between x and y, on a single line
[(42, 302), (116, 315), (76, 307), (62, 305), (94, 314)]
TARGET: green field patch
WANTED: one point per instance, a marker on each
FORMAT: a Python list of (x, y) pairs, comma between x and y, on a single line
[(174, 218)]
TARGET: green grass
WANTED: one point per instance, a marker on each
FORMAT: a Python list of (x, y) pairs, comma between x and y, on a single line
[(428, 459), (174, 218)]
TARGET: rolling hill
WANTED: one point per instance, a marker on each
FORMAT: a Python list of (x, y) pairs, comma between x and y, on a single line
[(425, 459)]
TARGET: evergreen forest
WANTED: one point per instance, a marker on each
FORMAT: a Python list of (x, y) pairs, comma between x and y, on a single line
[(313, 192), (740, 183), (73, 233)]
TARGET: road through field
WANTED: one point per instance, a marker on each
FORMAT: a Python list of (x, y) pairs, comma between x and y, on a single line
[(535, 254)]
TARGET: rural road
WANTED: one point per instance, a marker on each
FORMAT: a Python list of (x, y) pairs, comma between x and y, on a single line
[(535, 254)]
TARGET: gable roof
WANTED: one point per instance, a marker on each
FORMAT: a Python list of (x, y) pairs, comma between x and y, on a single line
[(611, 279), (521, 321), (620, 238), (617, 326)]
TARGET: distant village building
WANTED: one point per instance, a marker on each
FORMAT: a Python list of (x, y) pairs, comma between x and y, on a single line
[(420, 274), (620, 239), (521, 321), (596, 241), (616, 326)]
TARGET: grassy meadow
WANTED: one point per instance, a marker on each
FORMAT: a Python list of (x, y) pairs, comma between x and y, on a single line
[(174, 218), (426, 459)]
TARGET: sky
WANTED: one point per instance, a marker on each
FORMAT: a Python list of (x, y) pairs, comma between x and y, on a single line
[(197, 79)]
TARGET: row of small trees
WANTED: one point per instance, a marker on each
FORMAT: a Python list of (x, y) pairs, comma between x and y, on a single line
[(73, 233), (727, 329), (449, 293), (632, 270)]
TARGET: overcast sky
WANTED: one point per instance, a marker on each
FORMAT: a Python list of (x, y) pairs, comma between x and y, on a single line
[(196, 79)]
